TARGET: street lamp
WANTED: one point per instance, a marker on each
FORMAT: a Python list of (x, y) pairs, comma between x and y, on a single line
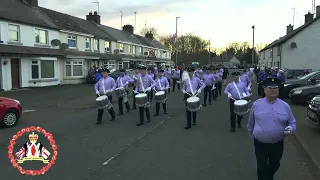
[(121, 18), (253, 50), (176, 39)]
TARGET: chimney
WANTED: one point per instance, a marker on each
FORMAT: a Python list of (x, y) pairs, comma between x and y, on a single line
[(32, 2), (149, 35), (308, 18), (317, 11), (94, 17), (289, 29), (128, 28)]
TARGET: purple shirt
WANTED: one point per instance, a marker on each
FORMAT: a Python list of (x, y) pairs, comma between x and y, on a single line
[(267, 121), (245, 79), (199, 73), (105, 84), (146, 80), (176, 74), (231, 89), (195, 84), (219, 76), (161, 83), (152, 75), (167, 74), (124, 81), (208, 79)]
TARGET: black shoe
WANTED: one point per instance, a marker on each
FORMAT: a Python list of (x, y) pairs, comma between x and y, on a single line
[(194, 123), (120, 114), (165, 112), (156, 114), (204, 105), (112, 119), (128, 110), (139, 124), (187, 127), (133, 108), (239, 125), (98, 123), (148, 120), (232, 130)]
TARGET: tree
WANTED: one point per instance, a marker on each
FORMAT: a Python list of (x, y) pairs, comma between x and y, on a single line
[(260, 46), (153, 30)]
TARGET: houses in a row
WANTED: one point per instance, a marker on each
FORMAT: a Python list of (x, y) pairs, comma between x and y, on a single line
[(42, 47), (299, 48)]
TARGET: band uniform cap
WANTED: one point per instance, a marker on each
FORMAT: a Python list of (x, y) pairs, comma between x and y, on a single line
[(122, 70), (161, 70), (271, 82), (235, 74), (105, 70)]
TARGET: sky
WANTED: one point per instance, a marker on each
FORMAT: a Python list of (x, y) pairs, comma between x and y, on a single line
[(220, 21)]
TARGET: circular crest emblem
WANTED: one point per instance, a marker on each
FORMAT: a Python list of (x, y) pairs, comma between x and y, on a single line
[(32, 151)]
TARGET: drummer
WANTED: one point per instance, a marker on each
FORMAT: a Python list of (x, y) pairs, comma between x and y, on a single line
[(235, 90), (122, 82), (144, 85), (167, 73), (135, 77), (209, 81), (245, 79), (105, 86), (151, 74), (191, 87), (162, 84)]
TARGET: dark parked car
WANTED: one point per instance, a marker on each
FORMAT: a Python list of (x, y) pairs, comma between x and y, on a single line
[(295, 73), (313, 111), (308, 79), (304, 94), (116, 74)]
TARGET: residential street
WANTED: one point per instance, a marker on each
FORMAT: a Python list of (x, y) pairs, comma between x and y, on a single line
[(159, 150)]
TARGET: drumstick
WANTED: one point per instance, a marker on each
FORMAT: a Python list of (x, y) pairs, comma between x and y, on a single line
[(155, 90)]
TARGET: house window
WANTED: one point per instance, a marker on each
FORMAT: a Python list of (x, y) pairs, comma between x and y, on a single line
[(72, 41), (14, 33), (279, 50), (107, 46), (74, 68), (130, 49), (87, 43), (42, 69), (120, 65), (121, 48), (109, 64), (96, 44), (134, 50), (41, 36), (141, 51)]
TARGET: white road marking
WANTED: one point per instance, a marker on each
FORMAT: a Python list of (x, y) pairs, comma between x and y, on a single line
[(29, 110)]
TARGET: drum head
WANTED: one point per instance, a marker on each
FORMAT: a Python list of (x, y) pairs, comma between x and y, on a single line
[(160, 93), (101, 98), (119, 88), (140, 95), (193, 99), (240, 102)]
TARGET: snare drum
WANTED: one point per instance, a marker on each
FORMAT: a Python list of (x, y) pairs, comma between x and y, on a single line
[(103, 102), (141, 100), (193, 104), (248, 97), (160, 97), (120, 92), (241, 107)]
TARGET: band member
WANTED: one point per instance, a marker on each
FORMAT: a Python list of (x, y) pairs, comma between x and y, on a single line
[(225, 75), (283, 80), (162, 84), (105, 86), (167, 74), (144, 85), (219, 84), (270, 120), (208, 80), (235, 90), (150, 95), (199, 73), (216, 76), (245, 79), (135, 77), (175, 78), (123, 81), (191, 87), (262, 75)]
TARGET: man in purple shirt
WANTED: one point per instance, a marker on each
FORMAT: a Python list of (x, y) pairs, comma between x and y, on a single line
[(235, 90), (175, 77), (219, 84), (150, 95), (161, 84), (122, 82), (191, 87), (208, 80), (136, 76), (105, 86), (167, 74), (270, 121)]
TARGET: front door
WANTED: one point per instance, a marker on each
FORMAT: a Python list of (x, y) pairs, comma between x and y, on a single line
[(15, 73)]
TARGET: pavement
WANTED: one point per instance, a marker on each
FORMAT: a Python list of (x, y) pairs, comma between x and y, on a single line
[(159, 150)]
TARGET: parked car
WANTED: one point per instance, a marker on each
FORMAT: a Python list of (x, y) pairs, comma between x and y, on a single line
[(308, 79), (313, 111), (10, 112), (304, 94), (116, 73), (295, 73)]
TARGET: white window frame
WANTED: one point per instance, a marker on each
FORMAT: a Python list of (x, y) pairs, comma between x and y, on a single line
[(134, 51), (107, 49), (121, 48), (18, 32), (109, 64), (39, 68), (130, 49), (47, 36), (73, 63), (120, 64), (96, 44), (74, 38), (140, 51), (87, 40)]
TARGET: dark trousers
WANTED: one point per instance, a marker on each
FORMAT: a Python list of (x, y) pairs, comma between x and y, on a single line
[(174, 84), (111, 111), (141, 114), (120, 103), (169, 81), (268, 158), (215, 92), (194, 114), (164, 107), (207, 90), (150, 95), (281, 91), (233, 116), (219, 84)]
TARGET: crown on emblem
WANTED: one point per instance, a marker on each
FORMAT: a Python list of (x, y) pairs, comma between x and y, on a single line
[(33, 137)]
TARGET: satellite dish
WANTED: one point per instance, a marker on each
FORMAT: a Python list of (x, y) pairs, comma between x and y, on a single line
[(293, 45), (55, 42), (116, 51), (64, 46)]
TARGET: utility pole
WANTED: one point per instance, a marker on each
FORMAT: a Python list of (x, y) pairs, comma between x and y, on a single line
[(209, 52), (135, 20), (97, 2), (253, 50), (176, 45), (121, 18)]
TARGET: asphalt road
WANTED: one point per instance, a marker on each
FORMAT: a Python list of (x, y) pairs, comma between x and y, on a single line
[(159, 150)]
